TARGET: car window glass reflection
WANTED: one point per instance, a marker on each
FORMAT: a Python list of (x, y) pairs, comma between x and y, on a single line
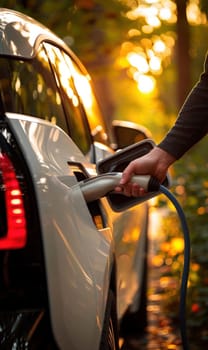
[(78, 125), (83, 84), (29, 87)]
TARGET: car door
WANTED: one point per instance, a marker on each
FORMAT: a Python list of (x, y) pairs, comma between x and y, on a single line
[(129, 227)]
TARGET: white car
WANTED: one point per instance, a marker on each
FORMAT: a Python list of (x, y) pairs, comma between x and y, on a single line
[(73, 260)]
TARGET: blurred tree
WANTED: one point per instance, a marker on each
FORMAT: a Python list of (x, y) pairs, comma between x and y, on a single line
[(183, 47), (98, 34), (204, 6), (183, 52)]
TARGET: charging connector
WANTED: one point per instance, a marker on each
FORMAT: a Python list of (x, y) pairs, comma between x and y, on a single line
[(99, 186)]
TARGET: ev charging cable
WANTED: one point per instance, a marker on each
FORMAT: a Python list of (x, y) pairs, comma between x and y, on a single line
[(99, 186), (185, 273)]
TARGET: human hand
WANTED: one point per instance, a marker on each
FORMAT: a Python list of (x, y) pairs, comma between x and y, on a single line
[(154, 163)]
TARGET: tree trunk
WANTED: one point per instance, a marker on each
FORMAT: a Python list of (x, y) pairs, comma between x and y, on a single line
[(183, 53)]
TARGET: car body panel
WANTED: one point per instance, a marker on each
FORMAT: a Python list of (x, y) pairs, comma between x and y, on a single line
[(21, 38), (77, 259), (52, 158)]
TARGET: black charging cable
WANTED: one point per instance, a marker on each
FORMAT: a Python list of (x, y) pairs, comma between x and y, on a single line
[(185, 274)]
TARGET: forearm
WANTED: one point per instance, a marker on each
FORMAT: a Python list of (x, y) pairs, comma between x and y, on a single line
[(192, 122)]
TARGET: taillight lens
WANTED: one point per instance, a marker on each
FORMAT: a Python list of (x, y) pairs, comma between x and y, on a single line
[(16, 233)]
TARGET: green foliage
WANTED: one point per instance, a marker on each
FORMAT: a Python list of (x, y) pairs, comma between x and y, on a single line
[(87, 25), (96, 33)]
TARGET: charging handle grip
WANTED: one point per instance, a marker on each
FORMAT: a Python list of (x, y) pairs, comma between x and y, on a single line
[(99, 186)]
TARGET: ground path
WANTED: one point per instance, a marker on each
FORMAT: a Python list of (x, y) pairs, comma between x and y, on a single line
[(161, 333)]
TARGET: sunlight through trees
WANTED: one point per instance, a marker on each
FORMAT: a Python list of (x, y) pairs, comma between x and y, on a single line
[(148, 56)]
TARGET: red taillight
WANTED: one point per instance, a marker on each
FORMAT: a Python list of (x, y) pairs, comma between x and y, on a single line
[(15, 212)]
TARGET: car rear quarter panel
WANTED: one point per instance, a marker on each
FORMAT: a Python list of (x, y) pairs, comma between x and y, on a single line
[(76, 253)]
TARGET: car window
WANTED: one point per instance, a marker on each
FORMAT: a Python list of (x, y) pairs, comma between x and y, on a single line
[(78, 126), (83, 85), (29, 87)]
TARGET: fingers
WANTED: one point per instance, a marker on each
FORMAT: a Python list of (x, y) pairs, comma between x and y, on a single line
[(125, 186), (127, 174), (130, 190), (133, 190)]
